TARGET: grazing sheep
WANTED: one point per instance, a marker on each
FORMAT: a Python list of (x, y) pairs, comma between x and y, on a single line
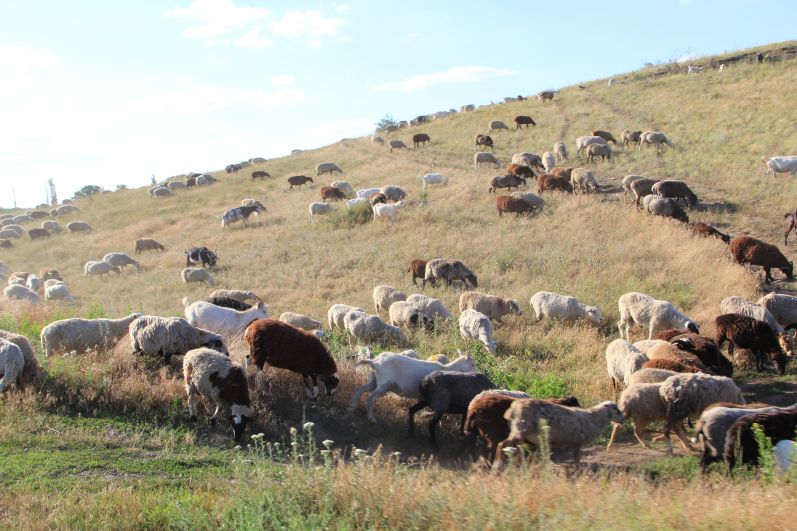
[(520, 170), (78, 226), (520, 121), (531, 198), (82, 335), (568, 428), (655, 315), (417, 268), (223, 321), (508, 203), (548, 161), (552, 182), (377, 197), (642, 187), (654, 138), (403, 314), (560, 151), (241, 213), (344, 187), (7, 233), (447, 392), (506, 181), (34, 282), (31, 371), (749, 333), (606, 135), (704, 348), (396, 144), (682, 360), (549, 305), (777, 424), (599, 150), (702, 229), (170, 336), (583, 142), (382, 210), (221, 380), (37, 234), (393, 193), (492, 306), (747, 250), (242, 296), (402, 375), (420, 140), (317, 209), (298, 180), (196, 274), (433, 178), (385, 295), (496, 125), (21, 293), (337, 313), (450, 271), (527, 159), (372, 329), (622, 360), (17, 229), (687, 395), (545, 95), (225, 302), (147, 244), (475, 325), (675, 190), (175, 185), (468, 108), (562, 171), (630, 137), (201, 255), (160, 191), (584, 179), (367, 192), (58, 292), (671, 365), (484, 157), (742, 306), (649, 375), (352, 203), (782, 307), (302, 321), (431, 307), (205, 180), (327, 167), (15, 280), (484, 140), (330, 192), (667, 208), (121, 260), (283, 346), (780, 165), (12, 364)]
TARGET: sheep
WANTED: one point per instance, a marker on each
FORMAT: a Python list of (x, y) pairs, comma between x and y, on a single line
[(703, 229), (622, 360), (447, 392), (385, 211), (196, 274), (527, 159), (545, 95), (241, 213), (7, 233), (649, 375), (704, 348), (749, 333), (654, 138), (492, 306), (330, 192), (238, 295), (301, 321), (175, 185), (367, 192), (433, 178), (646, 344), (37, 233), (221, 380), (667, 208), (671, 365), (420, 140), (475, 325), (65, 209), (552, 182), (396, 144), (777, 424), (568, 428), (31, 371), (508, 203), (17, 229), (298, 180), (431, 307), (12, 364), (484, 140), (34, 282), (484, 157), (630, 137), (223, 321), (283, 346), (747, 250), (583, 142), (655, 315), (417, 268), (5, 243), (403, 314), (496, 125), (785, 453), (694, 69), (401, 375), (393, 193), (782, 307), (201, 255), (336, 314), (675, 190), (780, 165), (21, 293), (641, 188), (78, 226), (170, 336), (147, 244), (562, 171), (520, 170), (678, 359), (468, 108), (352, 203), (22, 218), (520, 121), (160, 191), (372, 329), (599, 150), (225, 302), (121, 260), (531, 198), (344, 187), (100, 269), (449, 270), (327, 167), (81, 335), (376, 139), (47, 273), (742, 306), (58, 292), (549, 305), (584, 179), (317, 209), (687, 395), (506, 181), (15, 280), (385, 295), (548, 161)]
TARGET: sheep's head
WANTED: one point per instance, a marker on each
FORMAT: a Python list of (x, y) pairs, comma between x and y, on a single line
[(331, 384), (788, 270), (594, 314), (785, 344), (238, 426), (779, 361), (692, 327), (614, 413), (215, 342), (471, 279), (514, 307)]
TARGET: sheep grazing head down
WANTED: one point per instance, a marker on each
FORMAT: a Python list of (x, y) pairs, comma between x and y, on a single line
[(471, 279), (692, 327), (331, 384), (217, 344)]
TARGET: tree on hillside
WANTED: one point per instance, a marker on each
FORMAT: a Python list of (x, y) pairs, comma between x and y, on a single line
[(89, 189), (53, 195), (385, 122), (120, 187)]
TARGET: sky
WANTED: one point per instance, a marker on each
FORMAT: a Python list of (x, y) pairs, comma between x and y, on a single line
[(109, 93)]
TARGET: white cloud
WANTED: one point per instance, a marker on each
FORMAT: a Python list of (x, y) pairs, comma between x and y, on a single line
[(342, 8), (253, 39), (458, 74), (283, 80), (20, 66), (215, 18), (309, 23)]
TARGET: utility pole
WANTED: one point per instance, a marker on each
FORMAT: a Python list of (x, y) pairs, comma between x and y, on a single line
[(14, 196), (53, 196)]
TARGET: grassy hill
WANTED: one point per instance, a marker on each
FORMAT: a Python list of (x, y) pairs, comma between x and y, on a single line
[(103, 424)]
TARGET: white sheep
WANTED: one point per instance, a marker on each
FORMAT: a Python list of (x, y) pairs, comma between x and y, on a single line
[(224, 321), (646, 375), (646, 344), (385, 295), (121, 260), (694, 69), (59, 291), (583, 142), (622, 360), (152, 335), (527, 159), (403, 314), (782, 307), (81, 335), (238, 295), (549, 305), (655, 315), (371, 328), (34, 282), (402, 375), (337, 313), (584, 179), (476, 325), (548, 161), (327, 167), (196, 274), (495, 125), (351, 203), (304, 322), (484, 157), (14, 280), (367, 192), (317, 209), (492, 306), (433, 178), (344, 187), (560, 150), (431, 307), (100, 269), (780, 165), (21, 293), (627, 181), (742, 306), (12, 363), (385, 211)]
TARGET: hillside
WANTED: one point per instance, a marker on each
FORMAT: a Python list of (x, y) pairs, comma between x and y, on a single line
[(595, 247)]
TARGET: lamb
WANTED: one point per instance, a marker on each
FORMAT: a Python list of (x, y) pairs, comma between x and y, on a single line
[(447, 392), (121, 260), (223, 321), (654, 138), (304, 322), (629, 137), (648, 375), (484, 140), (583, 142), (663, 207), (622, 360), (401, 375), (506, 181), (508, 203), (344, 187), (450, 271), (403, 314), (385, 295), (78, 226), (748, 333), (492, 306), (31, 371), (560, 150), (641, 188), (327, 167), (747, 250), (58, 292), (81, 335), (702, 229), (569, 428), (599, 150), (433, 178), (687, 395), (418, 269), (241, 296), (484, 157), (317, 209), (21, 293), (196, 274), (676, 190), (147, 244), (396, 144), (496, 125), (298, 180), (655, 315), (382, 210), (283, 346), (551, 182), (336, 314), (549, 305), (780, 165), (475, 325), (170, 336), (221, 380), (12, 364), (548, 161), (531, 198), (778, 424), (585, 180), (100, 269), (431, 307), (782, 307), (372, 329)]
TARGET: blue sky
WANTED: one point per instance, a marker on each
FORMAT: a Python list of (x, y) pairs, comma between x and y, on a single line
[(99, 92)]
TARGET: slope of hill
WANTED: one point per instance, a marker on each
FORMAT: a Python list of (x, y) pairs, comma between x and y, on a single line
[(595, 247)]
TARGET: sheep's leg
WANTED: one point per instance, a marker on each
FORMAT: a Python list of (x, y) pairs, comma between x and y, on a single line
[(369, 386), (413, 410), (577, 455), (192, 402), (372, 398), (667, 441), (432, 427), (615, 429), (638, 431), (679, 431)]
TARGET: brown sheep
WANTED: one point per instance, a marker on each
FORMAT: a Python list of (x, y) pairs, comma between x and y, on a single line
[(377, 197), (418, 269), (705, 230), (508, 203), (545, 95), (484, 140), (670, 365), (748, 333), (147, 244), (520, 171), (260, 174), (547, 181), (562, 171), (642, 188), (747, 250), (599, 150), (523, 120), (420, 139), (330, 192), (46, 273), (675, 352), (298, 180), (606, 135), (703, 347), (37, 233), (190, 181), (629, 136)]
